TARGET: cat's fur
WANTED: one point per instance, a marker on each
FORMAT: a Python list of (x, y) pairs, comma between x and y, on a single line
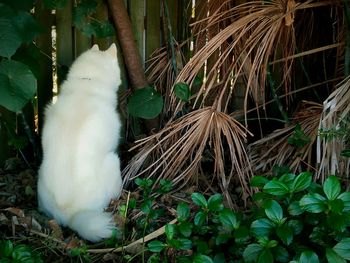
[(80, 172)]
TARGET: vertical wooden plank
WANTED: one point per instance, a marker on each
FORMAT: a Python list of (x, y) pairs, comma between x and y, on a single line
[(137, 11), (44, 43), (4, 149), (81, 43), (152, 26), (64, 37), (173, 8)]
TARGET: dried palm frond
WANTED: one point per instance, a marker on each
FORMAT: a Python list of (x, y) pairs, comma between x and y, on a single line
[(177, 150), (274, 149), (334, 129), (250, 35)]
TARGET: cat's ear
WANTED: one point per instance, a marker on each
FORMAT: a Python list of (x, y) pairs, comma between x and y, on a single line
[(95, 47), (112, 50)]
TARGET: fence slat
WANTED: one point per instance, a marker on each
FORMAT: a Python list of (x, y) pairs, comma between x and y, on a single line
[(137, 18), (152, 27)]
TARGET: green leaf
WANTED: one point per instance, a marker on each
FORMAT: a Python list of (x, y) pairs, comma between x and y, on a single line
[(170, 231), (296, 226), (343, 248), (201, 245), (26, 5), (333, 257), (294, 209), (165, 186), (262, 227), (27, 27), (273, 211), (185, 228), (185, 244), (275, 187), (182, 91), (265, 256), (55, 4), (228, 218), (199, 218), (258, 181), (199, 258), (199, 200), (336, 205), (331, 187), (215, 203), (313, 203), (146, 103), (241, 235), (308, 257), (301, 182), (183, 212), (101, 29), (281, 254), (287, 179), (219, 258), (345, 197), (156, 246), (285, 233), (17, 85), (146, 206), (21, 252), (10, 39), (252, 252), (6, 248), (299, 138), (345, 153)]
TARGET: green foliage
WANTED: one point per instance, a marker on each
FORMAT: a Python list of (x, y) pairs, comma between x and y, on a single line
[(10, 252), (18, 28), (182, 91), (146, 103), (299, 138), (293, 220)]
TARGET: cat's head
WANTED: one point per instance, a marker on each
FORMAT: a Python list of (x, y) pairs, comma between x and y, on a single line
[(96, 64)]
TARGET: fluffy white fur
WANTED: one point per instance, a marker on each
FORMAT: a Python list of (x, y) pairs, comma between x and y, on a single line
[(80, 172)]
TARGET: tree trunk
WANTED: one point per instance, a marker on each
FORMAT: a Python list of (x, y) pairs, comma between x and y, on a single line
[(130, 53)]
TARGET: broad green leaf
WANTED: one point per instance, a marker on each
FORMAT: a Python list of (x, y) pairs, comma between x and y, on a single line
[(252, 252), (182, 91), (27, 27), (146, 206), (17, 85), (145, 103), (156, 246), (301, 182), (26, 5), (201, 245), (265, 256), (6, 248), (21, 252), (165, 186), (294, 209), (185, 228), (215, 203), (331, 187), (170, 231), (199, 200), (275, 187), (345, 197), (101, 29), (343, 248), (262, 227), (183, 211), (222, 238), (241, 235), (273, 211), (185, 244), (299, 138), (281, 254), (258, 181), (285, 233), (313, 203), (202, 259), (308, 257), (333, 257), (10, 39), (336, 205), (296, 226), (228, 218), (287, 179), (199, 218)]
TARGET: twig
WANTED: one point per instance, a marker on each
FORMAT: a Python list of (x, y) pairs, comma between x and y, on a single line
[(131, 247)]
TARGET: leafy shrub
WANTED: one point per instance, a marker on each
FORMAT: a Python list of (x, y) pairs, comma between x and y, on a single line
[(17, 253), (293, 220)]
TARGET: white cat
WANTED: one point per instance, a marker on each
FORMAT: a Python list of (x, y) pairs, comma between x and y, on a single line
[(80, 172)]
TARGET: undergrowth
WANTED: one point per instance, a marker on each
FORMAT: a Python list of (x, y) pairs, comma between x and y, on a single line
[(290, 219)]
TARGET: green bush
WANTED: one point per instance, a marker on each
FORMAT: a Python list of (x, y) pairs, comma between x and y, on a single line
[(292, 220)]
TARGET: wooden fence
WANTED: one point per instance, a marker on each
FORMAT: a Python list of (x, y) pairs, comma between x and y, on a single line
[(62, 42)]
